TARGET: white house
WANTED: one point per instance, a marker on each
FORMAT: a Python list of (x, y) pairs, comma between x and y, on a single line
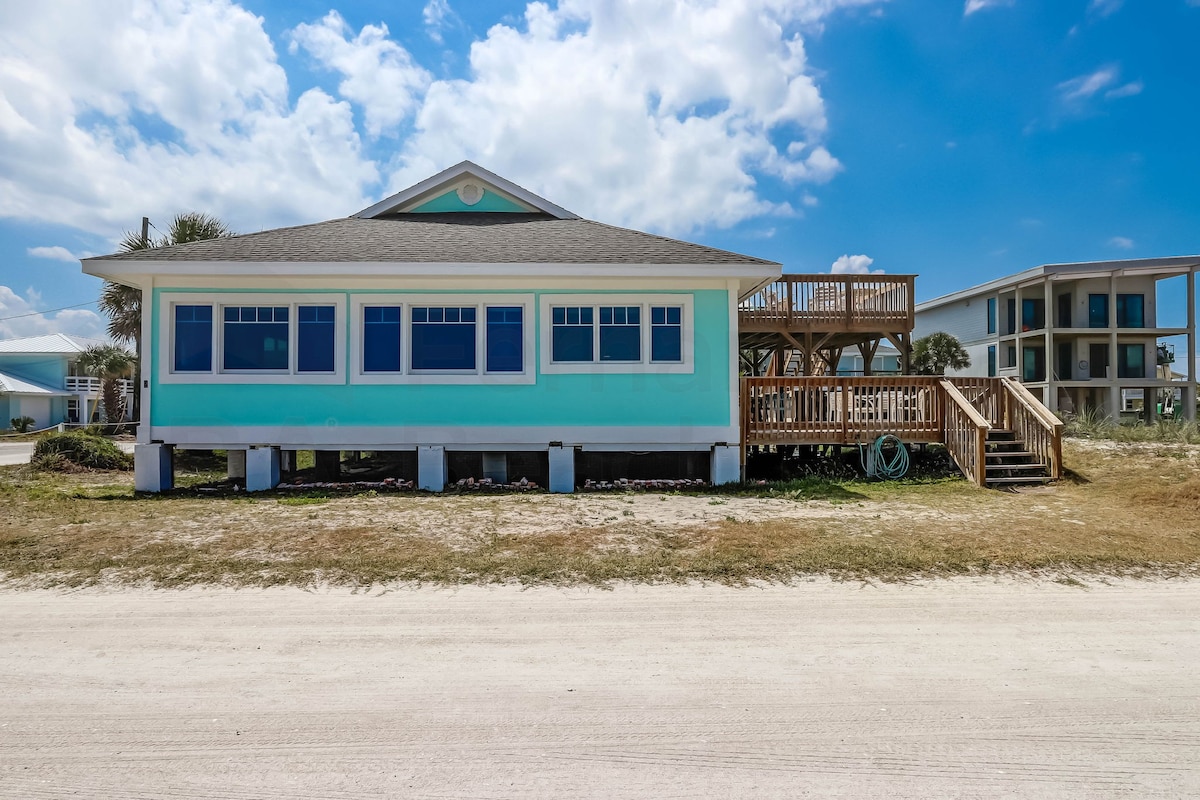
[(1077, 335)]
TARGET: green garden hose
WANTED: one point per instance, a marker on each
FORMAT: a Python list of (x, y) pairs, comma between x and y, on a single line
[(877, 465)]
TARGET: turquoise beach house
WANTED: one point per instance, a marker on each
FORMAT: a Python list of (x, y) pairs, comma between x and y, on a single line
[(464, 315)]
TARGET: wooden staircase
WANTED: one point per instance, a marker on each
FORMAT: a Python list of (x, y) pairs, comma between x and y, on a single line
[(1008, 461)]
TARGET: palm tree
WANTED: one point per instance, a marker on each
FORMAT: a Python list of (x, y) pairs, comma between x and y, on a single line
[(123, 304), (110, 364), (937, 352)]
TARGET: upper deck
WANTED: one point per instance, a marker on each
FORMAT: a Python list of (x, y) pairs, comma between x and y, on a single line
[(829, 304)]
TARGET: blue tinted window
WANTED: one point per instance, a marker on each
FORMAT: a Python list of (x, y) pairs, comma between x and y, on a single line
[(193, 338), (991, 315), (571, 334), (315, 339), (666, 334), (443, 338), (1097, 311), (256, 340), (1131, 311), (381, 339), (505, 339), (620, 333)]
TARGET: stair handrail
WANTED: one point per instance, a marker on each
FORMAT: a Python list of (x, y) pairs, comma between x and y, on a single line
[(968, 452), (1046, 419)]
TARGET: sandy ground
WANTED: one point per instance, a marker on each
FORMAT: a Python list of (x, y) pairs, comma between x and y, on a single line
[(965, 688)]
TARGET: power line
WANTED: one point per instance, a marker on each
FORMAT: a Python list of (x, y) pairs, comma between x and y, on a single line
[(48, 311)]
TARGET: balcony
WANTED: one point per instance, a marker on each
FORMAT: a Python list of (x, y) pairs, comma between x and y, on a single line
[(84, 384)]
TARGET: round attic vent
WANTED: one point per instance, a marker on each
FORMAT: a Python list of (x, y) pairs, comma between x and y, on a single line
[(470, 193)]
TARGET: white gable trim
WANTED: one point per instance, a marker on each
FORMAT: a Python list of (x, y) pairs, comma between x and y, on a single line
[(449, 179)]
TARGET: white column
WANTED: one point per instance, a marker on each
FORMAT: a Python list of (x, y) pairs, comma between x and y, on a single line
[(262, 468), (153, 467), (495, 466), (1189, 392), (235, 464), (725, 466), (1050, 400), (1114, 387), (431, 468), (562, 469)]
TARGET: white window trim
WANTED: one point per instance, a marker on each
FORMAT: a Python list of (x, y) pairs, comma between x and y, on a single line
[(646, 301), (218, 301), (406, 302)]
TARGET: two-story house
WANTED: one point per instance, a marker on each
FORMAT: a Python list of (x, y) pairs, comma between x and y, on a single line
[(39, 379), (1077, 335)]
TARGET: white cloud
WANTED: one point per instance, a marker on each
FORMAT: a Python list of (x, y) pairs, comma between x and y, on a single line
[(1105, 8), (437, 16), (19, 316), (1121, 242), (379, 75), (1085, 86), (57, 253), (1127, 90), (979, 5), (661, 114), (854, 265)]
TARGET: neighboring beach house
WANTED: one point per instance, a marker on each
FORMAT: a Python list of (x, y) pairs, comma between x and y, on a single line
[(462, 315), (39, 379), (1079, 336)]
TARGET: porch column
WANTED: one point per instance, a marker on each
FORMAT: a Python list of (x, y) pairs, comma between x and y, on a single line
[(1114, 362), (725, 466), (262, 468), (1189, 392), (562, 469), (153, 467), (235, 464), (431, 468), (1051, 397)]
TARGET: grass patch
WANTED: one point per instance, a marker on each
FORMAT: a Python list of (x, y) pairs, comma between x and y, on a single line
[(1130, 513), (76, 450)]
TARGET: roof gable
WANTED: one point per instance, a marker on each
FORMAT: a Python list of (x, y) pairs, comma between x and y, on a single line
[(465, 187)]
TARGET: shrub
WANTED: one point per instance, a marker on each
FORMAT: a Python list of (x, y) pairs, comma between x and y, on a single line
[(65, 452), (22, 424)]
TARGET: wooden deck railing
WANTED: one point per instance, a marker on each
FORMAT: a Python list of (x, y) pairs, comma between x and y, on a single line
[(965, 433), (1035, 424), (917, 409), (831, 302)]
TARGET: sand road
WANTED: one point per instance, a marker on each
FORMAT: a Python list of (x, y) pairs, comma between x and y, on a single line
[(966, 688)]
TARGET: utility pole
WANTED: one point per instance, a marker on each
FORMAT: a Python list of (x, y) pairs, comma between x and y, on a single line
[(146, 229)]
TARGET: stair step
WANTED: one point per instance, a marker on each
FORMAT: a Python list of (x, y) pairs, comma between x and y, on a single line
[(1023, 479), (1009, 454), (1022, 467)]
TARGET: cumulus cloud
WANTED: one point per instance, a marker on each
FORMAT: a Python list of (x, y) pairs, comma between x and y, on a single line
[(659, 114), (854, 265), (20, 316), (379, 75), (979, 5), (1121, 242), (437, 16), (57, 253)]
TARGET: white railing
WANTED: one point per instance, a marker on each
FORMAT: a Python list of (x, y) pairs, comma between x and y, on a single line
[(85, 383)]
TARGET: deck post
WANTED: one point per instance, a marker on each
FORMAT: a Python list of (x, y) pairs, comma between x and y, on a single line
[(235, 464), (725, 466), (153, 467), (562, 469), (431, 468), (262, 468)]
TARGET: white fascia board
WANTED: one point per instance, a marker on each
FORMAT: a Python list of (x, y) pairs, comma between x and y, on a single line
[(431, 185), (128, 270)]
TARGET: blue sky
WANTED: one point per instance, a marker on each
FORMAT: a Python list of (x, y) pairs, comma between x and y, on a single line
[(958, 140)]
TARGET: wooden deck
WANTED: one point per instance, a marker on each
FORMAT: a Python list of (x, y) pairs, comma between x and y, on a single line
[(818, 316), (958, 412)]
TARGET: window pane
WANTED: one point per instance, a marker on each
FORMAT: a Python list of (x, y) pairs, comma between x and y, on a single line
[(621, 338), (1097, 311), (315, 339), (261, 344), (381, 339), (666, 334), (193, 338), (571, 334), (505, 340), (991, 356), (1131, 361), (991, 315), (1131, 311), (444, 342)]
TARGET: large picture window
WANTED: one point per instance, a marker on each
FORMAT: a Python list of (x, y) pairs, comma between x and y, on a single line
[(255, 338), (626, 333), (443, 338)]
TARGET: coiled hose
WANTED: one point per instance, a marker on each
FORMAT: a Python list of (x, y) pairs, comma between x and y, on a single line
[(877, 465)]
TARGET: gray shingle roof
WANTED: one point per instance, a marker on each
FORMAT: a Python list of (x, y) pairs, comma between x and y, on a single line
[(449, 238)]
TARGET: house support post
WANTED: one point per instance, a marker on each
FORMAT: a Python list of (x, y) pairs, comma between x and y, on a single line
[(287, 460), (431, 468), (153, 467), (725, 466), (1193, 359), (562, 469), (495, 467), (262, 468), (235, 464), (328, 464)]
